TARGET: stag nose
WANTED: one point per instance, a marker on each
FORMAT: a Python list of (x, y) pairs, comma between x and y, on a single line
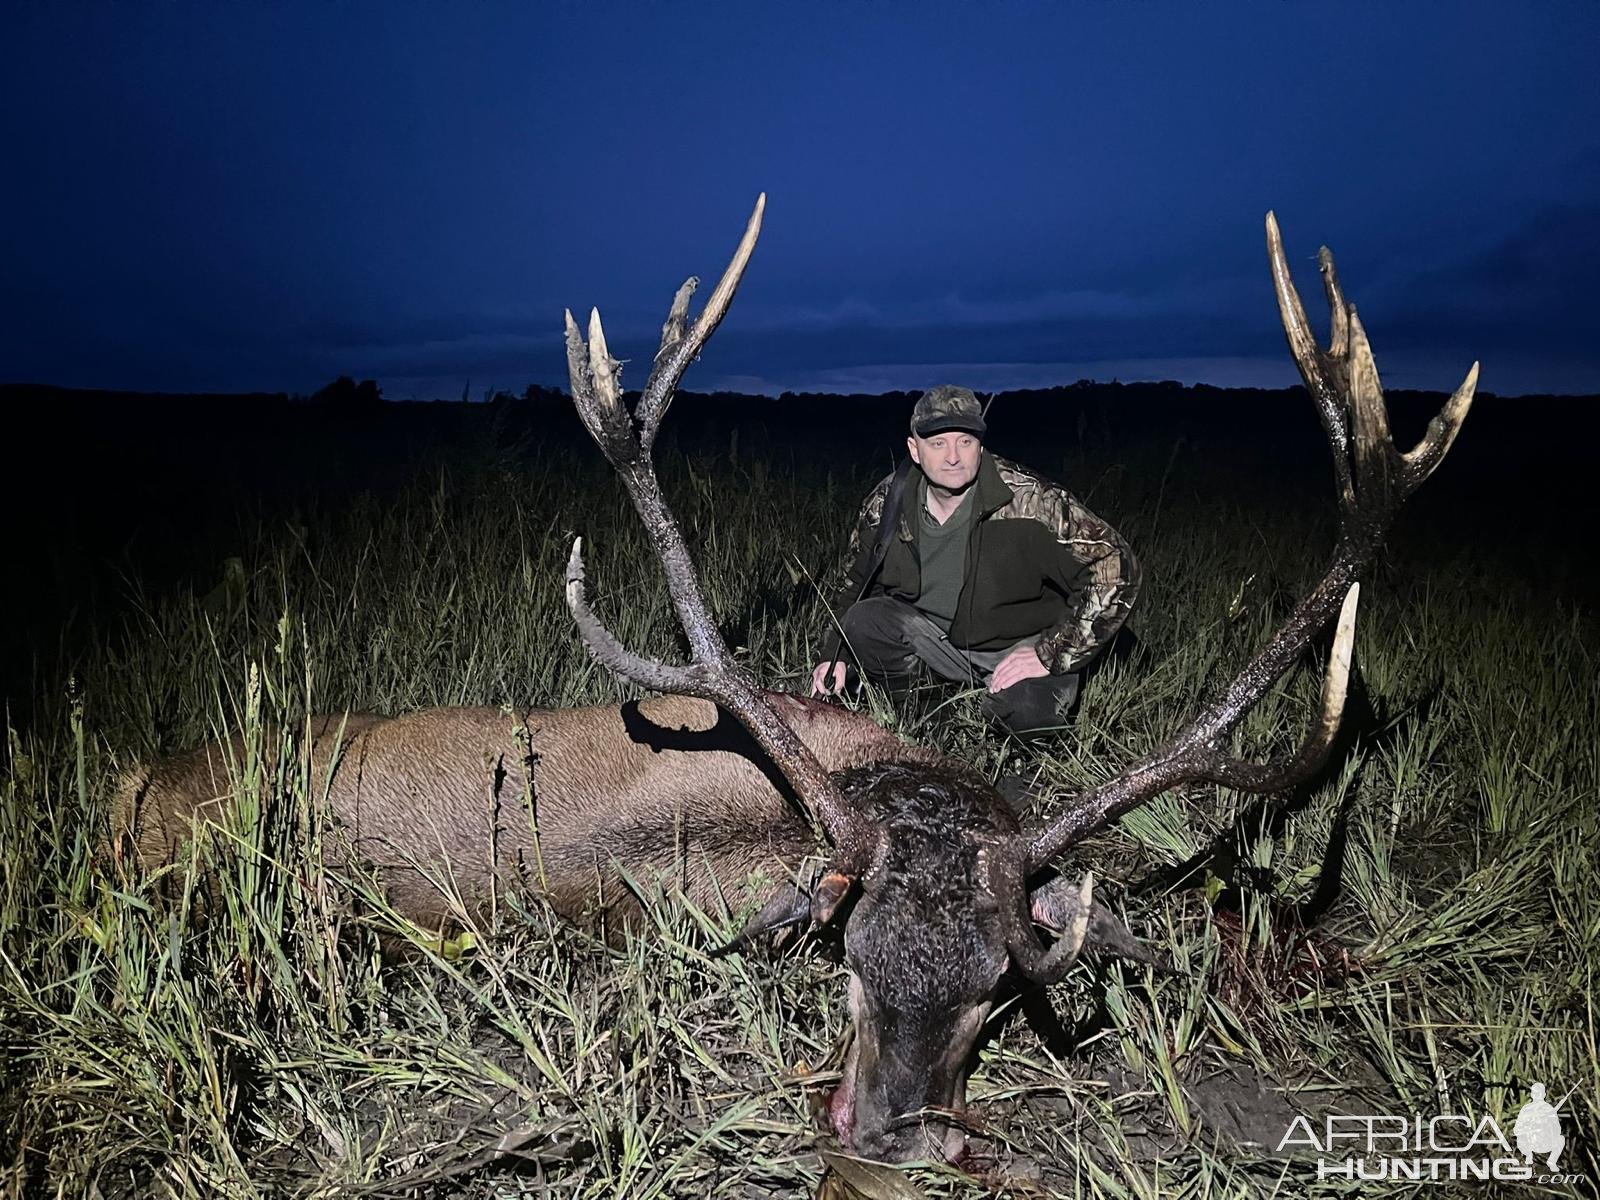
[(842, 1112), (930, 1142)]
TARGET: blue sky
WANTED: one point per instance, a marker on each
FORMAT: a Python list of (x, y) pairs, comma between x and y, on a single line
[(246, 196)]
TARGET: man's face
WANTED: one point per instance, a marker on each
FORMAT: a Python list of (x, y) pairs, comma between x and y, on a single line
[(949, 459)]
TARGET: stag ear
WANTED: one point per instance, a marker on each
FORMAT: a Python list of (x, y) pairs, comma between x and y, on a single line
[(1057, 904), (830, 893), (841, 877)]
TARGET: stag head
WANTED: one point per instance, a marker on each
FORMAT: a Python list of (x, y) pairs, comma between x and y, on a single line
[(925, 949), (930, 870)]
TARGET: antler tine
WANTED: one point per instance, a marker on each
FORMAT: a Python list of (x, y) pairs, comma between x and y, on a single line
[(603, 645), (1377, 464), (713, 674), (678, 318), (679, 349), (1043, 966), (1339, 329), (1006, 878), (1316, 366), (605, 371), (1345, 377), (599, 402), (1428, 453), (1290, 770)]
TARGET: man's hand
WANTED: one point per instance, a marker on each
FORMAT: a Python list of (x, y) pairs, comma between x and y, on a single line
[(1022, 663), (820, 682)]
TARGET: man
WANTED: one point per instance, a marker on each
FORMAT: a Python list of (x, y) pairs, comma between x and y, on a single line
[(989, 573)]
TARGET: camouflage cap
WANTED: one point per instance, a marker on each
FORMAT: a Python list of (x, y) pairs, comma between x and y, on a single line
[(947, 407)]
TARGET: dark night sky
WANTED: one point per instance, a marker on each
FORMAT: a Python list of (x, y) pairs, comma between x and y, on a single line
[(262, 196)]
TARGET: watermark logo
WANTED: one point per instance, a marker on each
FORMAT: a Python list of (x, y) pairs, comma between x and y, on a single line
[(1447, 1147), (1538, 1129)]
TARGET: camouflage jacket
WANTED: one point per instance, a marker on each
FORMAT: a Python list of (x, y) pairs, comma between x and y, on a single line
[(1039, 564)]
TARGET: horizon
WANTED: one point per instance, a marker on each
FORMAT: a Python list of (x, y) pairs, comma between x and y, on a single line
[(487, 395)]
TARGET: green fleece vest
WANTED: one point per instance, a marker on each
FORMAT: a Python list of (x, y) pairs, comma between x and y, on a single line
[(943, 550)]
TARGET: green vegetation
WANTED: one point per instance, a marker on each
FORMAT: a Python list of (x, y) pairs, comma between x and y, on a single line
[(1416, 933)]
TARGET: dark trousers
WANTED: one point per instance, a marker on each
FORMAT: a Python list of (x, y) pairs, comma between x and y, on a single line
[(892, 642)]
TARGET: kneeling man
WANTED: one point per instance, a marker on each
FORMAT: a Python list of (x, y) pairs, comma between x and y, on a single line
[(982, 571)]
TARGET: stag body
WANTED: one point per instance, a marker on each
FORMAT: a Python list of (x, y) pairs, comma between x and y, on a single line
[(668, 789), (665, 786)]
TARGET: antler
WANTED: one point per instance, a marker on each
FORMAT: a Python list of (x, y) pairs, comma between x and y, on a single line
[(713, 674), (1372, 480)]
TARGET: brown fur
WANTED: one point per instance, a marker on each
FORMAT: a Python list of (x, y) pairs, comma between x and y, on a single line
[(665, 786)]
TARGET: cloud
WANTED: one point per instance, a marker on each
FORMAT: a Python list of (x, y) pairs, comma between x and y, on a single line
[(872, 378), (1525, 305), (969, 308), (1538, 288), (956, 308), (1494, 307)]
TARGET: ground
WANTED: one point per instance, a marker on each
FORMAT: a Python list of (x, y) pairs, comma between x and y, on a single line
[(1414, 932)]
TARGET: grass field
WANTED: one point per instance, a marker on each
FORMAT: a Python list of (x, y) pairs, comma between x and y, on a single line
[(1415, 933)]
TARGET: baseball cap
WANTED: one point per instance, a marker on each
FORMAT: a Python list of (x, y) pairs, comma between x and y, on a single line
[(947, 407)]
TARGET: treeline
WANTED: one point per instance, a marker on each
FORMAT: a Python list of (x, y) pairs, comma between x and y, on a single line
[(102, 487)]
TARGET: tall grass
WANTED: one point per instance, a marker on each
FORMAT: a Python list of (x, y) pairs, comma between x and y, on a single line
[(1416, 932)]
